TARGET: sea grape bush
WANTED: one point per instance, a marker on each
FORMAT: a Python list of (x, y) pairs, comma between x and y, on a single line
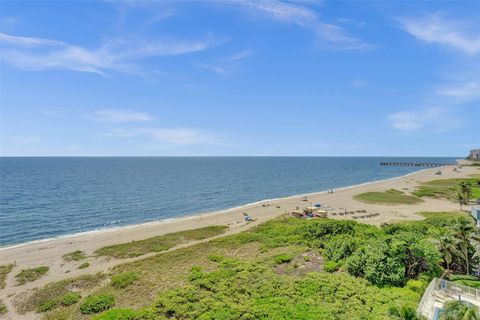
[(97, 303)]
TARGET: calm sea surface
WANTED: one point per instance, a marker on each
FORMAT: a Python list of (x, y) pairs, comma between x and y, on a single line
[(49, 197)]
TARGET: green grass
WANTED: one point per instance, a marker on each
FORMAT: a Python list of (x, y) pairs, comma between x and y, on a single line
[(444, 215), (389, 197), (4, 271), (446, 188), (158, 244), (74, 256), (84, 265), (123, 280), (29, 275)]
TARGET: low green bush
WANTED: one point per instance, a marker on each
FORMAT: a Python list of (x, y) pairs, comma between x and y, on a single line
[(97, 303), (70, 298), (47, 306), (417, 286), (331, 266), (282, 258), (123, 280), (117, 314)]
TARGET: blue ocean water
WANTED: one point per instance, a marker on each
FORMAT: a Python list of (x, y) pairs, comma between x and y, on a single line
[(49, 197)]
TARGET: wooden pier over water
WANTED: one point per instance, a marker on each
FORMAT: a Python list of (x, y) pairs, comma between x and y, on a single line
[(415, 164)]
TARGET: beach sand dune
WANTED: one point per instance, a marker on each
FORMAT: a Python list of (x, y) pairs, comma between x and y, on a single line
[(49, 252)]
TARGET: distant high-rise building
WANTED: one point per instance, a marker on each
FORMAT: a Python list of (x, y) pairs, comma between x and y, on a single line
[(474, 154)]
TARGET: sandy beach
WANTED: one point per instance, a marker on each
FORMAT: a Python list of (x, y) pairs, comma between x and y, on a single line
[(49, 252)]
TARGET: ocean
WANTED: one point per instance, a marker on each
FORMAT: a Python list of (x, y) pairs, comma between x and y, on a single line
[(46, 197)]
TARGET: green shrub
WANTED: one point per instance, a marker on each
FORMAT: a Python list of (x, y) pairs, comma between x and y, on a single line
[(70, 298), (282, 258), (195, 273), (29, 275), (331, 266), (117, 314), (123, 280), (417, 286), (47, 306), (97, 303), (84, 265)]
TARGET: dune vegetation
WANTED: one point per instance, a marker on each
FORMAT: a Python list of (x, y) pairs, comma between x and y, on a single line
[(4, 271), (388, 197), (447, 188), (285, 268), (158, 244), (29, 275), (74, 256)]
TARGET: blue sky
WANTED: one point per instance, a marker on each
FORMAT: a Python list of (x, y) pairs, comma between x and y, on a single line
[(240, 78)]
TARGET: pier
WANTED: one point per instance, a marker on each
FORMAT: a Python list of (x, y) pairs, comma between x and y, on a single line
[(415, 164)]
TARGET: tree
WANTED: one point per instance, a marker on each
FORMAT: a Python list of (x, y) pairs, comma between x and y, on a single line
[(446, 244), (464, 192), (460, 310), (464, 232)]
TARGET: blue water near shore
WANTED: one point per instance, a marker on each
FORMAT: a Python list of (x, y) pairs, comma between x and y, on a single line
[(50, 197)]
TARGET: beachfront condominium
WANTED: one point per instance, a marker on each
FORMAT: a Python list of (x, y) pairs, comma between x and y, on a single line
[(474, 154)]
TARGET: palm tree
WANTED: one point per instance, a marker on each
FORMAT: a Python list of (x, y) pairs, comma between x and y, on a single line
[(446, 245), (404, 312), (460, 310), (463, 231), (464, 192)]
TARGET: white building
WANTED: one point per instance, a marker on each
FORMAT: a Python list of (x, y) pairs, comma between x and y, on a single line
[(475, 212), (474, 154), (439, 292)]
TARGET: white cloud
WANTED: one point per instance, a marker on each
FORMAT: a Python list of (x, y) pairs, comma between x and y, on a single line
[(118, 116), (436, 29), (433, 119), (465, 92), (239, 56), (212, 68), (227, 65), (173, 136), (118, 55), (304, 17)]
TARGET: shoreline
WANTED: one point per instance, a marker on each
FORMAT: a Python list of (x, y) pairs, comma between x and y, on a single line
[(195, 215), (49, 252)]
